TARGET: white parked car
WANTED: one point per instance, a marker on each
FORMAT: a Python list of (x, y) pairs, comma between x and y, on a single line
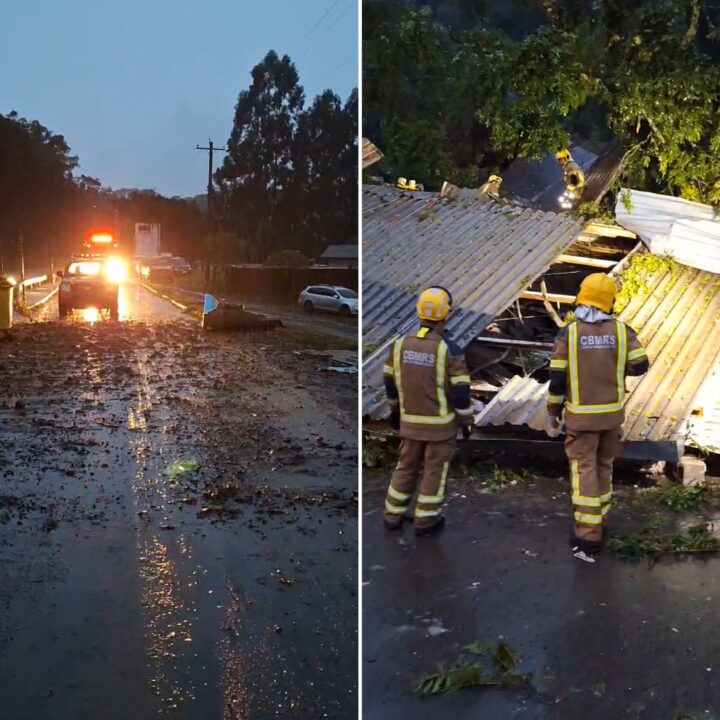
[(329, 298)]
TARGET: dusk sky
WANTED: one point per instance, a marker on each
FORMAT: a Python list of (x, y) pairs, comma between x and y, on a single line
[(134, 85)]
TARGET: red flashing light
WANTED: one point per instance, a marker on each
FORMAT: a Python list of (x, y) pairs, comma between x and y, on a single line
[(101, 238)]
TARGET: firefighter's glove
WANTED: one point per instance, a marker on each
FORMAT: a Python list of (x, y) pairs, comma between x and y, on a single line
[(395, 419), (555, 421), (467, 431)]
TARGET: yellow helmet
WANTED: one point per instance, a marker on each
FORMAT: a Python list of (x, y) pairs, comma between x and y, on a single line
[(597, 290), (434, 304), (411, 185), (494, 179), (401, 182), (563, 154)]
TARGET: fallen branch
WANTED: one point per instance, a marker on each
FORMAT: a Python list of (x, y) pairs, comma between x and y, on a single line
[(648, 543), (496, 669)]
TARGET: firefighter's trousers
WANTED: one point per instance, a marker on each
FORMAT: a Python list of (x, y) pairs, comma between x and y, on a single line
[(434, 459), (591, 456)]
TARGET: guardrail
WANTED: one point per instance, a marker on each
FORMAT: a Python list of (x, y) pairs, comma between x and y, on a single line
[(29, 282)]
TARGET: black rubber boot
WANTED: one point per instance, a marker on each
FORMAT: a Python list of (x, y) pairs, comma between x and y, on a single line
[(433, 529), (393, 525)]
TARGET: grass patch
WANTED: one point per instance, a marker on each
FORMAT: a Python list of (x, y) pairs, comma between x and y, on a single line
[(306, 340), (652, 544)]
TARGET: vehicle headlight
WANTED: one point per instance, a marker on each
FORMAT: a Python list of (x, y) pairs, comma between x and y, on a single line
[(116, 270)]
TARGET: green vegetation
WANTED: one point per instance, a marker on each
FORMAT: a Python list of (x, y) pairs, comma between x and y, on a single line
[(497, 478), (380, 450), (633, 282), (650, 543), (496, 669), (682, 499), (458, 90), (595, 211)]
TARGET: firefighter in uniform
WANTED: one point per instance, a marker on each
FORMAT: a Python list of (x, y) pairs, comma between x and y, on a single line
[(591, 358), (491, 189), (428, 387), (573, 176)]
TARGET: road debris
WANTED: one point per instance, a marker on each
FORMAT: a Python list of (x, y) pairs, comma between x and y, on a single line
[(496, 669)]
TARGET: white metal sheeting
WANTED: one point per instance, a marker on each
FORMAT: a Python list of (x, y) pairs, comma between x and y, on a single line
[(688, 231), (705, 427), (522, 401)]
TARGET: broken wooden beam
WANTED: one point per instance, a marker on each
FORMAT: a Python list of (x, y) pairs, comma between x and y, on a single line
[(517, 344), (605, 230), (548, 306), (586, 261), (553, 297)]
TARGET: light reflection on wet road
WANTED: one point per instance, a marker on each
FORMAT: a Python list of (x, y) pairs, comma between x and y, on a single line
[(127, 592)]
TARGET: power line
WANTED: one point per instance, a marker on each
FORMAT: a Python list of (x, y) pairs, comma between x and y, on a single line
[(317, 24), (330, 27), (342, 15), (345, 62)]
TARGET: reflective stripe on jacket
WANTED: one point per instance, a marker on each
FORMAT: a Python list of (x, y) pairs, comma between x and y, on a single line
[(587, 372), (426, 376)]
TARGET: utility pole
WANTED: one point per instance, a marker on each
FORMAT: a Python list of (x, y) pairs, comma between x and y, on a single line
[(210, 150)]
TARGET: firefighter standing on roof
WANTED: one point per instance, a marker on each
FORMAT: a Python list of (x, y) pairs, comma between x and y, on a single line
[(428, 387), (591, 358), (573, 176)]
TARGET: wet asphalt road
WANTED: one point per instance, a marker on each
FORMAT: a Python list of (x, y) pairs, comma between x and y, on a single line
[(134, 304), (610, 640), (131, 587)]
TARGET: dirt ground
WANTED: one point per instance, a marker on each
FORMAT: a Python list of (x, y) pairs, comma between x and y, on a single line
[(178, 523), (617, 639)]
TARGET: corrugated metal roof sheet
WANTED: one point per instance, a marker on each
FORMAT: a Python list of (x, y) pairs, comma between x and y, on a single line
[(485, 253), (679, 324), (521, 401), (689, 231), (370, 153)]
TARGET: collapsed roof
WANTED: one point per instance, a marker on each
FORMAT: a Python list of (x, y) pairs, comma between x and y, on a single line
[(485, 253), (678, 321), (488, 254)]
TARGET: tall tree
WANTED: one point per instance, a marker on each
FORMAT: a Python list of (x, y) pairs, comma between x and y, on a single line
[(36, 185), (258, 170), (326, 167)]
